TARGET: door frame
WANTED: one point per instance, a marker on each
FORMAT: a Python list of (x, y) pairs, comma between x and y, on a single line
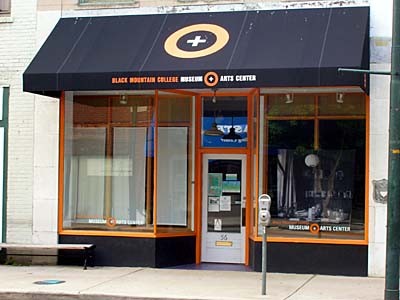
[(233, 156), (200, 151)]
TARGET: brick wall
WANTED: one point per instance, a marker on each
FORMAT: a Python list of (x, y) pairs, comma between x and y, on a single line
[(17, 40)]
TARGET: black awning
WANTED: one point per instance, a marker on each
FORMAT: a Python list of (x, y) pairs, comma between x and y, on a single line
[(296, 47)]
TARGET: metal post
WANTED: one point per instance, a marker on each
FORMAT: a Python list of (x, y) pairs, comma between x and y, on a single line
[(264, 261), (393, 205)]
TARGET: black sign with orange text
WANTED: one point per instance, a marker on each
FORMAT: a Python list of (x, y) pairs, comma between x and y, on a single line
[(294, 47)]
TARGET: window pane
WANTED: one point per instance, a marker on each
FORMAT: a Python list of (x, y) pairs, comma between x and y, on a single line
[(108, 166), (135, 110), (225, 189), (84, 183), (90, 110), (224, 122), (289, 142), (317, 192), (128, 176), (174, 164), (173, 176), (174, 110), (290, 105), (346, 174), (342, 104)]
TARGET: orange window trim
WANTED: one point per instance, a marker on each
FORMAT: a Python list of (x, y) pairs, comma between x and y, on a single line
[(61, 163), (198, 178), (125, 233), (155, 166), (367, 154), (310, 240), (316, 118), (199, 151)]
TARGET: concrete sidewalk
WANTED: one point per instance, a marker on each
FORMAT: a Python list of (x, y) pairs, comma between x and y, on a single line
[(145, 283)]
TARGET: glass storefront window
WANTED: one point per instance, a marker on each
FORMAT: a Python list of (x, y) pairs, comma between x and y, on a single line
[(290, 105), (108, 163), (341, 104), (315, 170), (346, 180), (174, 164), (224, 122)]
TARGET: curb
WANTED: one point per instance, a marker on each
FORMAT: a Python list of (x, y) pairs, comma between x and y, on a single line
[(59, 296)]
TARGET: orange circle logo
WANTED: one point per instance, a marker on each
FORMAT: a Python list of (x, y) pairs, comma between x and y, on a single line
[(211, 79), (171, 43), (314, 228), (111, 222)]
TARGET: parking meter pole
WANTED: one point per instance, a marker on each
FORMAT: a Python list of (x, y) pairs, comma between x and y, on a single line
[(264, 219), (264, 261)]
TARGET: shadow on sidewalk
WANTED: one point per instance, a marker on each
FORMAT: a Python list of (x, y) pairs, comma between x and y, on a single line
[(214, 267)]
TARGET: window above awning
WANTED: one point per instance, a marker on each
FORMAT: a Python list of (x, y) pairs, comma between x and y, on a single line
[(279, 48)]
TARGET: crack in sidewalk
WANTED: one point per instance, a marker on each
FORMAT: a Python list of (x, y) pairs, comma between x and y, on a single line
[(109, 280), (300, 287)]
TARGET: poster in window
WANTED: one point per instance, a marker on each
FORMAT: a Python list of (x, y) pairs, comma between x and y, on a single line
[(214, 184), (231, 176), (225, 203), (217, 224), (213, 204), (231, 186)]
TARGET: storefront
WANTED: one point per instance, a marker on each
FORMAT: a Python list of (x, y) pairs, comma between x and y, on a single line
[(172, 125)]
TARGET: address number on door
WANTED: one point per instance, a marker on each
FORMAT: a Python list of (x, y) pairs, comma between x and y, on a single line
[(224, 237)]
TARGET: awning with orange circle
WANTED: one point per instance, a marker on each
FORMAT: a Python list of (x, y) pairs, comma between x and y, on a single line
[(270, 48)]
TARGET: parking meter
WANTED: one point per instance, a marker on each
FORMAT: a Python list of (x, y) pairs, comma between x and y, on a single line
[(264, 204), (264, 218)]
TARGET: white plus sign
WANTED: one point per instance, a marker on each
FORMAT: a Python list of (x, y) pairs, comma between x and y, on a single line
[(197, 40)]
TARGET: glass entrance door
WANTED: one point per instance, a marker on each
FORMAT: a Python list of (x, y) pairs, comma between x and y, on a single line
[(223, 208)]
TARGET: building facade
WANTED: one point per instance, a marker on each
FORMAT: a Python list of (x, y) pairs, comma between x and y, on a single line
[(17, 46), (163, 124)]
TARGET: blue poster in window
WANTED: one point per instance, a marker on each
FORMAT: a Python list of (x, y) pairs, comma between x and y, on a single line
[(229, 136)]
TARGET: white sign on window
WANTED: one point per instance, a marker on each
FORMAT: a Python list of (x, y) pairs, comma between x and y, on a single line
[(110, 166)]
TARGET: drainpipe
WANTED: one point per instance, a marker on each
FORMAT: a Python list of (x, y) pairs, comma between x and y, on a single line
[(393, 205)]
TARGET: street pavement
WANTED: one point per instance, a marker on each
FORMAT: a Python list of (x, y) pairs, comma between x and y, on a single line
[(120, 283)]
